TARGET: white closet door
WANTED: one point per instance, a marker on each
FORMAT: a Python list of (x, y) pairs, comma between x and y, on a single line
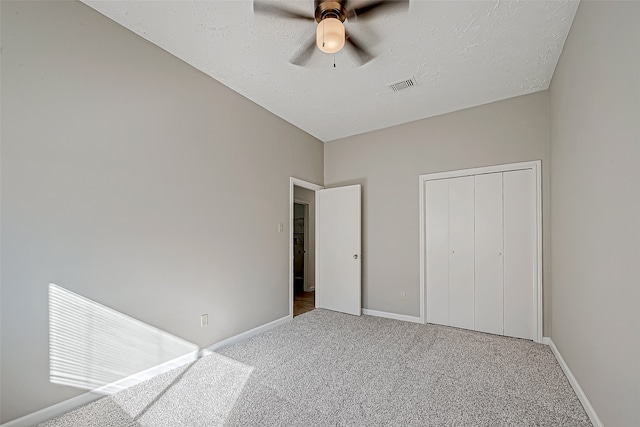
[(437, 250), (461, 271), (519, 253), (488, 254)]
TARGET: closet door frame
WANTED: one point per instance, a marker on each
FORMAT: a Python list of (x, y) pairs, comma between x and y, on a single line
[(534, 165)]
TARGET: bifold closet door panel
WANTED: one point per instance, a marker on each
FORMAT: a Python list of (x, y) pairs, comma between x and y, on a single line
[(488, 254), (519, 253), (461, 270), (437, 251)]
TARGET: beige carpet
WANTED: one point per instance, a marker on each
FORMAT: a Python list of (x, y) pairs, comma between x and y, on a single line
[(325, 368)]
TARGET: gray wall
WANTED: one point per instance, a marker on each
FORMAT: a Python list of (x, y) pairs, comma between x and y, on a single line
[(595, 207), (309, 196), (133, 179), (388, 162)]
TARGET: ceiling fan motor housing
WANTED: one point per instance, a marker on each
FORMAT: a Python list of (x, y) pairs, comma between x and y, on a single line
[(331, 9)]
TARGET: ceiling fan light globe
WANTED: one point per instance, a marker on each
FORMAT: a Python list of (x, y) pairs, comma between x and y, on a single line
[(330, 35)]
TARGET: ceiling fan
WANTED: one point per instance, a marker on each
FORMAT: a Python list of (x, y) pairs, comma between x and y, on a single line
[(330, 16)]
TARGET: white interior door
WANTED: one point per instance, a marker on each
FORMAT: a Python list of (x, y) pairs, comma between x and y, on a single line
[(480, 249), (488, 254), (519, 246), (338, 237), (461, 257), (437, 250)]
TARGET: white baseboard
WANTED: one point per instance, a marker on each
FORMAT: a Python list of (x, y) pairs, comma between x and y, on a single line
[(63, 407), (395, 316), (593, 416), (243, 336)]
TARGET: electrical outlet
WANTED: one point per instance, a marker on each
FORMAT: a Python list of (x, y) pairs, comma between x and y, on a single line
[(204, 320), (403, 296), (280, 227)]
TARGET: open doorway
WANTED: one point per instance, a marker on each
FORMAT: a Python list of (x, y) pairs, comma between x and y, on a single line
[(302, 246), (303, 250)]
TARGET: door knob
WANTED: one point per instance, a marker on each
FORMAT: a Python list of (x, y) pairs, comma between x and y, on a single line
[(355, 256)]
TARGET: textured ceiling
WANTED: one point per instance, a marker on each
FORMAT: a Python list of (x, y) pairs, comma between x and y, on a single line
[(460, 53)]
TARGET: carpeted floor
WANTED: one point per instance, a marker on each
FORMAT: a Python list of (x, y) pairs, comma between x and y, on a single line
[(325, 368)]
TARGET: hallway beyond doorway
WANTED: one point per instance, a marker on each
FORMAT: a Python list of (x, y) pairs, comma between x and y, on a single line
[(303, 302)]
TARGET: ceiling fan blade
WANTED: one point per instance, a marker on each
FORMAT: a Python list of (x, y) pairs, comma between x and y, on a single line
[(304, 54), (363, 55), (273, 10), (359, 12)]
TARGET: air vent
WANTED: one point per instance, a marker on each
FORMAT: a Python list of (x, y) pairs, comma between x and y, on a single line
[(405, 84)]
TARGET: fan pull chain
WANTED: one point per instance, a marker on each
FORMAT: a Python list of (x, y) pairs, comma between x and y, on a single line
[(334, 60)]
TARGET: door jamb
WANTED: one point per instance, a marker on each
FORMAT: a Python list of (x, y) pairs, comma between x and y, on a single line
[(309, 186)]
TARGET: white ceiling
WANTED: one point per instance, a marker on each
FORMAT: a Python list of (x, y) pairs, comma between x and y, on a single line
[(461, 54)]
